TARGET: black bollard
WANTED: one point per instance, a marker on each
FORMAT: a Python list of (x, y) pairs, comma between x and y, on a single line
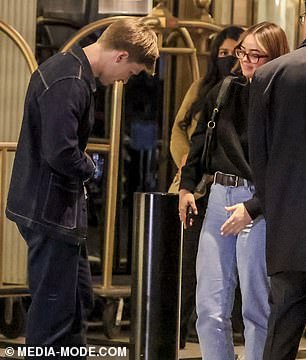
[(156, 268)]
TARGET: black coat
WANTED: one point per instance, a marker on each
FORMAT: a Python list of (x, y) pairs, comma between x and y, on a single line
[(277, 143), (46, 191)]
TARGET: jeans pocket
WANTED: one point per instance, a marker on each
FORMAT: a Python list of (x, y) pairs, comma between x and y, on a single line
[(60, 207)]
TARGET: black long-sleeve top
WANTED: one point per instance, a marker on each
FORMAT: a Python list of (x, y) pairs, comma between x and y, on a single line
[(229, 152)]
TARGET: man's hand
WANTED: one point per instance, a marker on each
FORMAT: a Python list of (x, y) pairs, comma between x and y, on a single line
[(239, 219)]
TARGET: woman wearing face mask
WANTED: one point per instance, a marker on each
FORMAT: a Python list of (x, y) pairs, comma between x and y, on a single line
[(232, 239), (220, 62)]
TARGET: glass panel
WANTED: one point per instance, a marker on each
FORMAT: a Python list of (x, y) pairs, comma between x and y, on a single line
[(233, 12), (67, 7), (223, 11), (125, 6), (96, 191), (284, 13), (241, 12), (138, 164)]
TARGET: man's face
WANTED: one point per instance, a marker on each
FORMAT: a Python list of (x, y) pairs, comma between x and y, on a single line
[(119, 68)]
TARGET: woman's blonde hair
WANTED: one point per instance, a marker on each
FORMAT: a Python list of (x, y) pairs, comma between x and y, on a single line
[(135, 37), (270, 37)]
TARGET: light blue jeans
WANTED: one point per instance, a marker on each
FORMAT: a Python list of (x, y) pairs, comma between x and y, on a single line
[(220, 259)]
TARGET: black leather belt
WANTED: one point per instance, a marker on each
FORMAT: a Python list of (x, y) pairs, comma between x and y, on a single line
[(229, 179)]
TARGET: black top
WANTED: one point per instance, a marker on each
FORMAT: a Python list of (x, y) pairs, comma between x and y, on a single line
[(230, 145)]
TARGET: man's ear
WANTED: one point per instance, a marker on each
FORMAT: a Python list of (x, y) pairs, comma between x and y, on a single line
[(122, 55)]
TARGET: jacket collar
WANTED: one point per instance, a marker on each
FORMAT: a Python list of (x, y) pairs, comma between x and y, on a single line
[(79, 54)]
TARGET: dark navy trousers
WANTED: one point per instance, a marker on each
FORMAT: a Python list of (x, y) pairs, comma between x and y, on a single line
[(60, 286), (288, 315)]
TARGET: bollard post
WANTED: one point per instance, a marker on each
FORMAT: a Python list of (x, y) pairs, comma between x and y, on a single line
[(156, 276)]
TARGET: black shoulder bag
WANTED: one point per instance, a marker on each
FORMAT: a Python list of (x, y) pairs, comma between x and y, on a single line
[(201, 188)]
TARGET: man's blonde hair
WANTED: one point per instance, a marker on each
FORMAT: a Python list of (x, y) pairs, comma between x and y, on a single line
[(135, 37)]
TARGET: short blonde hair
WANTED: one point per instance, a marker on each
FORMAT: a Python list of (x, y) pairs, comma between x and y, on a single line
[(135, 37)]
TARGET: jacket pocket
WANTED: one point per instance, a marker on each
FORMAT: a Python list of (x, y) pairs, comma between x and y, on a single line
[(60, 207)]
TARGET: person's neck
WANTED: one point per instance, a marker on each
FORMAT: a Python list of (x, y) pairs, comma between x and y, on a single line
[(93, 54)]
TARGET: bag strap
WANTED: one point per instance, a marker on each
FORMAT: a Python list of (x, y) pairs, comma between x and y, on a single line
[(221, 100)]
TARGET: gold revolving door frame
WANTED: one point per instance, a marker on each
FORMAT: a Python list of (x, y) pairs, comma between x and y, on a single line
[(112, 145), (21, 43), (8, 147)]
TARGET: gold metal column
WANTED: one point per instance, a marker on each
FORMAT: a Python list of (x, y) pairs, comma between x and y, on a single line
[(111, 190), (2, 202)]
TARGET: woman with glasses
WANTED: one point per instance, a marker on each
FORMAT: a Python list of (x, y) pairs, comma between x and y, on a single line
[(232, 240), (220, 63)]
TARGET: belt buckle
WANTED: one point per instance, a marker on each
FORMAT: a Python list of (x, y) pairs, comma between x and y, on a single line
[(236, 181), (215, 176), (235, 178)]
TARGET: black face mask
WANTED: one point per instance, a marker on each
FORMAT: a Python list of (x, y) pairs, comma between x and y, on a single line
[(225, 65)]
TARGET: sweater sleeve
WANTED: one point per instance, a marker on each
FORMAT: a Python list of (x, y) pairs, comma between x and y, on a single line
[(258, 118), (253, 207), (179, 142)]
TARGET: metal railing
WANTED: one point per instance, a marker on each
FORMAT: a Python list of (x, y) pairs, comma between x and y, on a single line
[(4, 149), (106, 287), (13, 289), (21, 43)]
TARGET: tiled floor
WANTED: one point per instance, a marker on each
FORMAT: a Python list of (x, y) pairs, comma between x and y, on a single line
[(191, 352)]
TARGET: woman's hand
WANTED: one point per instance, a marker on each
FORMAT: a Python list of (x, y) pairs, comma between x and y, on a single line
[(186, 199), (239, 219)]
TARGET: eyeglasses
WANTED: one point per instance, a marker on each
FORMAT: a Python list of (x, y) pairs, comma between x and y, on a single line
[(252, 58), (302, 19)]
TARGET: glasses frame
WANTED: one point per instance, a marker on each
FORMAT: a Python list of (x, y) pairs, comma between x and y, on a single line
[(302, 19), (258, 57)]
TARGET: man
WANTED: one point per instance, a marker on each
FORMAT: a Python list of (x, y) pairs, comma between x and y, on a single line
[(46, 197), (277, 138)]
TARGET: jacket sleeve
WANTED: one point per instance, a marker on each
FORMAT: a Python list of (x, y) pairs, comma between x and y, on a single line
[(253, 207), (179, 142), (60, 126), (193, 170), (258, 118)]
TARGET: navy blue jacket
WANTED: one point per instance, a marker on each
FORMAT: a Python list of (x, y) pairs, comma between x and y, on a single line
[(46, 190)]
